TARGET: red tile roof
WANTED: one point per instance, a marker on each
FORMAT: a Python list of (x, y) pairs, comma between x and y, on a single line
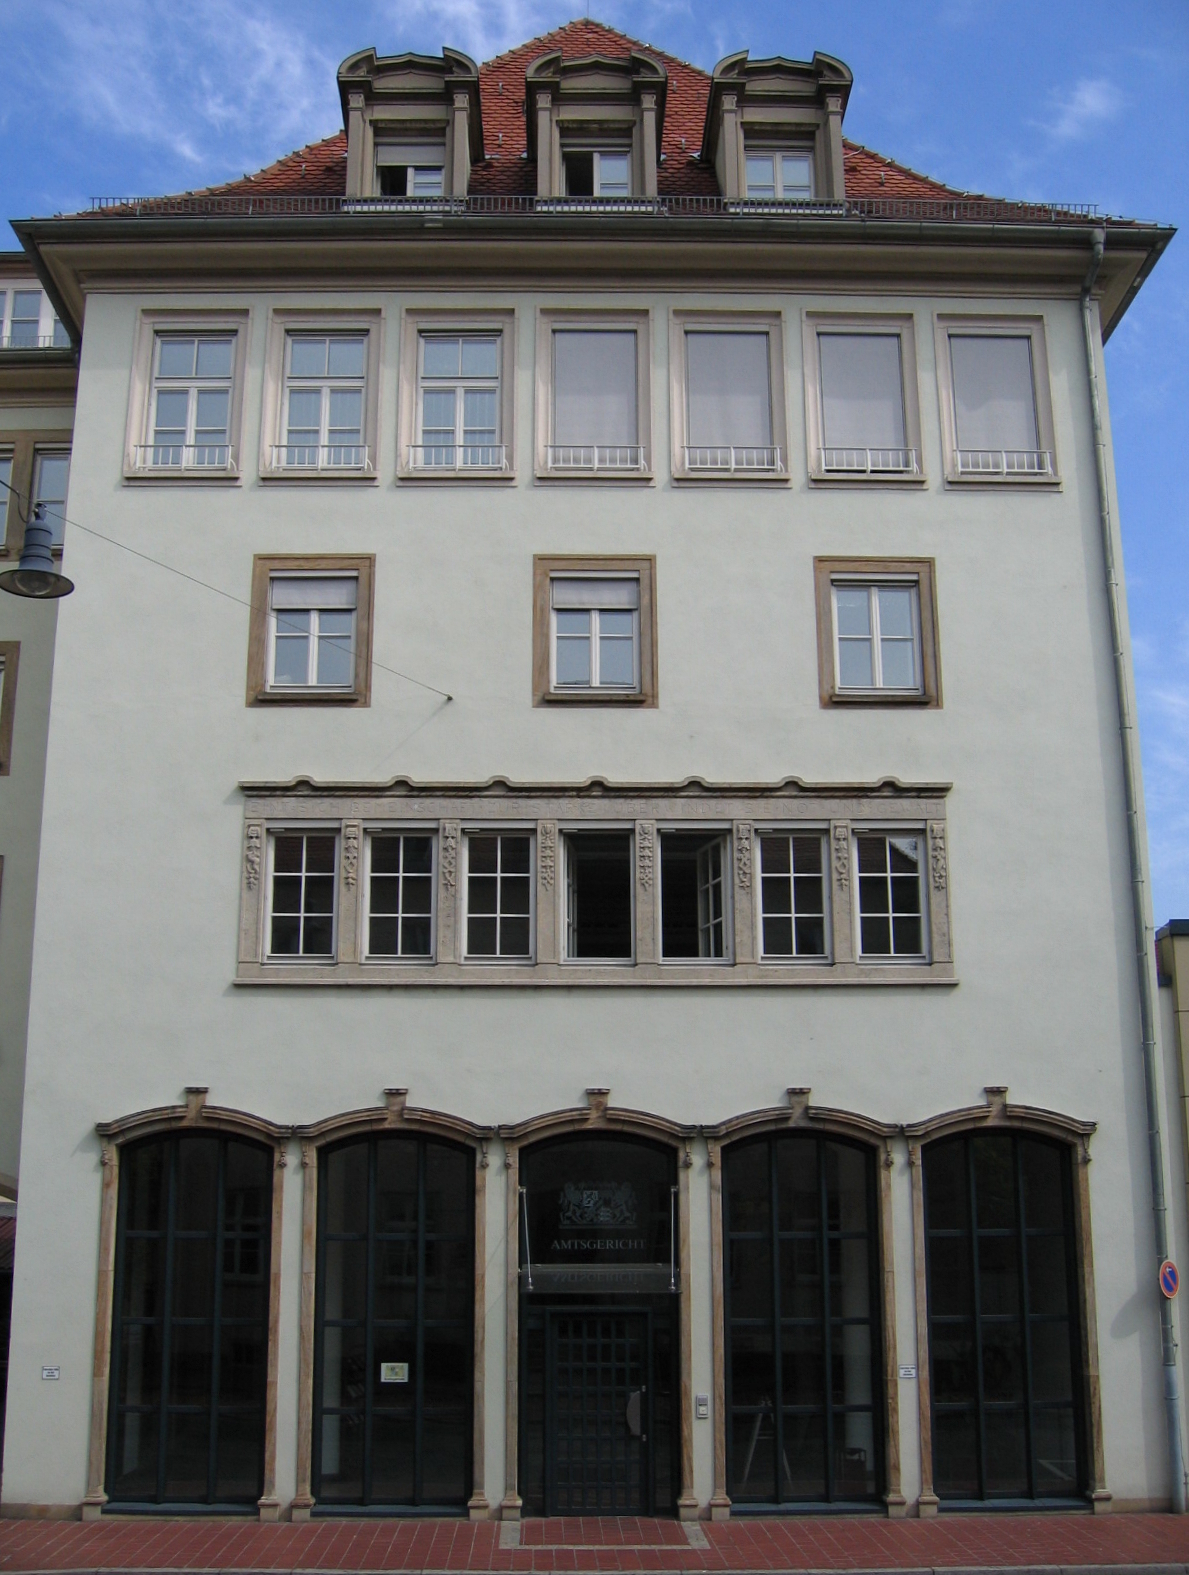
[(320, 168)]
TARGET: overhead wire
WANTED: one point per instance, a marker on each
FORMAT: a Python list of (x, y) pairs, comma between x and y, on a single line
[(205, 584)]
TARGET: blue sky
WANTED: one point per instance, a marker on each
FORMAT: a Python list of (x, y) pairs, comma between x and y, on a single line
[(1072, 100)]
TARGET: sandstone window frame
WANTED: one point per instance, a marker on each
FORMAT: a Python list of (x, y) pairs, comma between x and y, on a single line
[(264, 568), (553, 319), (683, 321), (301, 959), (793, 958), (547, 567), (400, 830), (1011, 326), (10, 658), (883, 324), (481, 321), (829, 571), (880, 830), (284, 321), (22, 448), (169, 321), (547, 812)]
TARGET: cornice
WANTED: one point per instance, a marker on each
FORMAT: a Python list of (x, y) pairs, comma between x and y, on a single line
[(194, 1116), (598, 787)]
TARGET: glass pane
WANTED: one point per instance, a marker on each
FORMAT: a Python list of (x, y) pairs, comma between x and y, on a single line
[(761, 176), (447, 1190), (187, 1456), (173, 407), (801, 1277), (747, 1187), (850, 1363), (346, 357), (613, 174), (1043, 1165), (753, 1448), (437, 415), (854, 664), (898, 664), (239, 1475), (190, 1364), (346, 1189), (751, 1278), (998, 1276), (796, 175), (955, 1454), (775, 856), (214, 357), (346, 415), (729, 389), (778, 937), (993, 392), (1003, 1361), (955, 1376), (862, 391), (994, 1182), (175, 357), (1006, 1468), (336, 661), (211, 417), (142, 1175), (753, 1371), (480, 357), (143, 1271), (305, 412), (594, 387), (134, 1471), (852, 608), (307, 357), (896, 612), (197, 1174), (440, 357), (193, 1277), (949, 1277), (393, 1453), (854, 1455), (1052, 1361), (478, 415), (803, 1469), (140, 1365), (798, 1198), (946, 1185), (514, 855), (847, 1180), (342, 1458), (1054, 1444), (1048, 1280), (291, 657), (617, 660)]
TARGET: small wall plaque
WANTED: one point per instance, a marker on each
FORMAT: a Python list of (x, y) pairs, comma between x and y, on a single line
[(394, 1372), (702, 1407), (907, 1371), (53, 1373)]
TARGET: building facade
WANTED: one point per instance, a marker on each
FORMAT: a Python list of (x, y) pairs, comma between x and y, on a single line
[(582, 950)]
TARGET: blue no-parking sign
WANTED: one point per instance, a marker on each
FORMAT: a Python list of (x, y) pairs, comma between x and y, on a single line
[(1170, 1279)]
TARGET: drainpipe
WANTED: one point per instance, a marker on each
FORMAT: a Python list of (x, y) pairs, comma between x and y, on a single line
[(1139, 902)]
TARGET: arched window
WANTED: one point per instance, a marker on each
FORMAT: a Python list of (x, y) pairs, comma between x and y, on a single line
[(802, 1326), (190, 1328), (1003, 1323), (394, 1323)]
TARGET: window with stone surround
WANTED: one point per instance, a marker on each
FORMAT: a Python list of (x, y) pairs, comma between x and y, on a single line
[(310, 628), (498, 895), (792, 880), (594, 630), (185, 403), (862, 408), (400, 882), (727, 397), (996, 404), (594, 404), (301, 916), (877, 629)]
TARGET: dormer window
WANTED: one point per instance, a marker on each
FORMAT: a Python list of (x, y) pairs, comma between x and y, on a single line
[(410, 170), (780, 176), (594, 172)]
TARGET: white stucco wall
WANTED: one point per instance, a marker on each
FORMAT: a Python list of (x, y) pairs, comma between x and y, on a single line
[(138, 900)]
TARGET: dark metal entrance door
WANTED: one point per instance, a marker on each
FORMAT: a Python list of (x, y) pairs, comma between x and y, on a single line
[(598, 1412)]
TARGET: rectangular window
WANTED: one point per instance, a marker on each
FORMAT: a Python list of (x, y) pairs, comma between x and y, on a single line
[(997, 417), (51, 473), (324, 403), (5, 491), (792, 894), (728, 400), (25, 325), (597, 173), (877, 636), (598, 895), (693, 895), (400, 895), (780, 177), (410, 170), (891, 895), (10, 655), (312, 631), (595, 400), (596, 632), (190, 403), (862, 404), (458, 404), (301, 909), (499, 895)]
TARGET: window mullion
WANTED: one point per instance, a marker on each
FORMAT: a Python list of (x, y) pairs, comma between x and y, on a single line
[(876, 645), (595, 678)]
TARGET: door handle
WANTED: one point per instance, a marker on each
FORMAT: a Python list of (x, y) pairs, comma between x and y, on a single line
[(632, 1413)]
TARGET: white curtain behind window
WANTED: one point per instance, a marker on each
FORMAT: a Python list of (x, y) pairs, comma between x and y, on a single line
[(729, 390), (862, 391), (993, 392), (594, 386)]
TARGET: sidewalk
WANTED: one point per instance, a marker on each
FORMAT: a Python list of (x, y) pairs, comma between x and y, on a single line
[(1047, 1542)]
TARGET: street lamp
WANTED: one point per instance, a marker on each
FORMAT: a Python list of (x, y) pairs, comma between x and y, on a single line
[(35, 575)]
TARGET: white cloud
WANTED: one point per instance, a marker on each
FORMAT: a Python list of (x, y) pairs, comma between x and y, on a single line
[(1093, 102)]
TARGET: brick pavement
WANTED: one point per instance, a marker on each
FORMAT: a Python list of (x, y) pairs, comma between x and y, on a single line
[(952, 1542)]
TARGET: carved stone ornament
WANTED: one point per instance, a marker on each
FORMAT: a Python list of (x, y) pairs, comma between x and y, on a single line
[(842, 855), (743, 855), (449, 857), (252, 848), (350, 854), (937, 860), (547, 852), (645, 852)]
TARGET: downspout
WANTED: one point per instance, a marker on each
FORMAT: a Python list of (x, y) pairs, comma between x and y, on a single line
[(1143, 959)]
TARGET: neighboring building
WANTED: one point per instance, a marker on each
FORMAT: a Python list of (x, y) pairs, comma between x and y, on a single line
[(588, 979)]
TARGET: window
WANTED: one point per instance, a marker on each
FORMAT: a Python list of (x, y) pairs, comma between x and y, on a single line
[(410, 170), (10, 655), (802, 1321), (792, 889), (780, 177), (877, 631), (1001, 1266), (5, 492), (51, 472), (891, 894), (599, 895), (597, 173), (593, 395), (310, 630), (29, 322), (325, 388), (400, 894), (727, 397), (594, 630), (499, 894), (862, 411), (458, 420), (693, 895), (996, 408), (190, 405), (301, 910)]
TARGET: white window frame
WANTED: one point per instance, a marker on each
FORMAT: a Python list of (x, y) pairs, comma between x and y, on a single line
[(48, 321), (417, 158), (138, 434), (44, 451), (979, 467), (878, 467), (495, 322), (778, 154), (333, 322), (796, 958), (626, 463), (566, 831), (736, 467), (207, 458), (458, 455), (595, 687), (598, 153), (312, 687), (400, 958), (872, 584), (300, 959), (721, 836), (893, 959), (496, 829), (327, 457)]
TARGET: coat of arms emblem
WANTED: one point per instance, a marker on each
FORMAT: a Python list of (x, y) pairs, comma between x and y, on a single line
[(610, 1203)]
